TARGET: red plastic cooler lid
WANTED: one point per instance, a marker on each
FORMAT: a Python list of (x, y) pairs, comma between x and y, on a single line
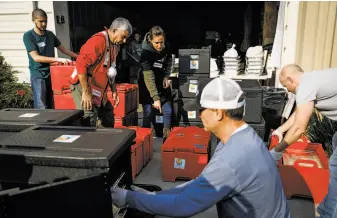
[(186, 144), (189, 131)]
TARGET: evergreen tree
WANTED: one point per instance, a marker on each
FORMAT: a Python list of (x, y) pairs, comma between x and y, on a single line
[(12, 93)]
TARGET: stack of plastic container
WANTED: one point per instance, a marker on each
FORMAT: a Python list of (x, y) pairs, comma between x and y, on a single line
[(125, 112), (254, 60), (141, 150), (232, 62)]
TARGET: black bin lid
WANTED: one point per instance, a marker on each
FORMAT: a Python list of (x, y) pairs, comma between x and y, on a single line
[(66, 146), (250, 85), (18, 119)]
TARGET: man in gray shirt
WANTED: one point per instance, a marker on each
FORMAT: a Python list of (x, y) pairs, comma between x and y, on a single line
[(241, 178), (318, 90)]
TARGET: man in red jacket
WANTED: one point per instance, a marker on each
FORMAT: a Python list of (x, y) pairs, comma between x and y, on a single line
[(96, 71)]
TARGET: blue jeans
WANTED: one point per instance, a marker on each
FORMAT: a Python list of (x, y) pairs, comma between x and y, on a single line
[(42, 93), (328, 207), (167, 115)]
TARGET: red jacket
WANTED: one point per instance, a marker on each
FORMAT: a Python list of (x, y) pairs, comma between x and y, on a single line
[(90, 53)]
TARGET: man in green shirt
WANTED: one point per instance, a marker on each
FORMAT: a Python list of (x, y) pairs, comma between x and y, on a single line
[(40, 44)]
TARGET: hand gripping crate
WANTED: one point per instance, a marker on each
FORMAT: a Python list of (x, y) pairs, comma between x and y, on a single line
[(304, 169), (185, 153)]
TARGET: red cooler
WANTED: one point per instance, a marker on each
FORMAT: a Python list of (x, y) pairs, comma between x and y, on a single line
[(185, 153)]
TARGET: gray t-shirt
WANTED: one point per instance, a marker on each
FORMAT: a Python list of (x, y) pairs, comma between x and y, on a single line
[(242, 179), (319, 86)]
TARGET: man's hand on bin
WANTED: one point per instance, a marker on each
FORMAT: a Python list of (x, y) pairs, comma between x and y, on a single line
[(275, 154), (115, 97), (118, 197), (141, 190), (86, 100), (63, 60), (278, 133)]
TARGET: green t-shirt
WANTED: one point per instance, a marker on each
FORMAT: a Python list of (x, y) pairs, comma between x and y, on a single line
[(44, 45)]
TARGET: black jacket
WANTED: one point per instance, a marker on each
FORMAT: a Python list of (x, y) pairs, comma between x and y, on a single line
[(155, 66)]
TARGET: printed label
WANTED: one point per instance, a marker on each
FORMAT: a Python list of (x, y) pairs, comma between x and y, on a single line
[(191, 114), (194, 81), (157, 65), (194, 62), (67, 138), (29, 115), (41, 44), (179, 163), (192, 88), (96, 93), (159, 119)]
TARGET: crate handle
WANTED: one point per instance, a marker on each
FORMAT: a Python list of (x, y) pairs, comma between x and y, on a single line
[(305, 163), (183, 150), (66, 91), (273, 140)]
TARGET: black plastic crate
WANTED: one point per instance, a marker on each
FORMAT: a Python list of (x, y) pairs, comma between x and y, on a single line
[(157, 123), (188, 84), (87, 197), (186, 116), (187, 123), (194, 61), (18, 119), (44, 154), (254, 93), (274, 100), (260, 128)]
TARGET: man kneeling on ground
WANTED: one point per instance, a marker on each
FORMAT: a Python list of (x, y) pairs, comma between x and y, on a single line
[(241, 178)]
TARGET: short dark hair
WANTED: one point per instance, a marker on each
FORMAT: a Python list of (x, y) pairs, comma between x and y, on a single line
[(236, 114), (154, 32), (38, 13)]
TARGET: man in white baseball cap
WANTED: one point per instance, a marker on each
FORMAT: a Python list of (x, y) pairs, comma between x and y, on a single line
[(241, 178)]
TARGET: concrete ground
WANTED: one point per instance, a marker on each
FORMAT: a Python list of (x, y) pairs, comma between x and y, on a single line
[(151, 174)]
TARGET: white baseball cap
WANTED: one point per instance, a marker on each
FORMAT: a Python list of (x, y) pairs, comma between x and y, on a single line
[(217, 93)]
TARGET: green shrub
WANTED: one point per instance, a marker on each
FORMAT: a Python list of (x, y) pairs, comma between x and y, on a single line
[(12, 93)]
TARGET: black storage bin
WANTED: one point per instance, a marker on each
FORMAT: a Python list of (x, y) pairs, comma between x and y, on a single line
[(253, 92), (184, 115), (45, 154), (187, 123), (140, 118), (157, 123), (274, 99), (18, 119), (87, 197), (188, 84), (260, 128), (194, 61)]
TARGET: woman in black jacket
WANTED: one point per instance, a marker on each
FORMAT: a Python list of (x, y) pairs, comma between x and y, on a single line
[(154, 87)]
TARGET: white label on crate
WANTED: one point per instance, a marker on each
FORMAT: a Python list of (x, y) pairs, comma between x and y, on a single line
[(192, 88), (29, 115), (194, 62), (67, 138), (179, 163), (159, 119), (191, 114)]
